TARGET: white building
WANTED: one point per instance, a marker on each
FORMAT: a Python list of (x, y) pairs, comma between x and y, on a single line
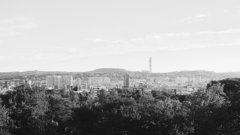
[(58, 82)]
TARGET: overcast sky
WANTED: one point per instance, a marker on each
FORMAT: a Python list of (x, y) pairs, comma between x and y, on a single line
[(82, 35)]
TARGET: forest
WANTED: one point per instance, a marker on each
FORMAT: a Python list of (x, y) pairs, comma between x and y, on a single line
[(214, 110)]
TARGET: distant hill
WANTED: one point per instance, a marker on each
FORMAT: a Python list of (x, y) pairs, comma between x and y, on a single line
[(200, 73), (109, 70), (18, 75), (190, 73), (119, 72), (230, 74)]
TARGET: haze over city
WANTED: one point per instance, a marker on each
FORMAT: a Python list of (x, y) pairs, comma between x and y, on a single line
[(86, 35)]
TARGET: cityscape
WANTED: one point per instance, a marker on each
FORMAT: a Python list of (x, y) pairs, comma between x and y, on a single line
[(119, 67), (147, 83), (58, 94)]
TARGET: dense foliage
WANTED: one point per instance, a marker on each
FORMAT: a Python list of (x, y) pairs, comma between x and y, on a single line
[(33, 111)]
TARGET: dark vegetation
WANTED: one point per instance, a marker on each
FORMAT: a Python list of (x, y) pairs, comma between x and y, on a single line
[(214, 111)]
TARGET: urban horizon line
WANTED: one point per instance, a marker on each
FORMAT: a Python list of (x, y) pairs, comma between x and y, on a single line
[(126, 70)]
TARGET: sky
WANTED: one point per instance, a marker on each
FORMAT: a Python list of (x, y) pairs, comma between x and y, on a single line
[(83, 35)]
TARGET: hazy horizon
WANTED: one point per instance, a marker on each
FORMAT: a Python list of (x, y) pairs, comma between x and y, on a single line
[(120, 69), (79, 36)]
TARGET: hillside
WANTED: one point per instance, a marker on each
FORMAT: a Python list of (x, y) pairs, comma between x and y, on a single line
[(18, 75), (109, 70), (119, 72)]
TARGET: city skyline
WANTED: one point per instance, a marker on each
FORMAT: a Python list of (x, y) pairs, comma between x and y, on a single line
[(79, 36)]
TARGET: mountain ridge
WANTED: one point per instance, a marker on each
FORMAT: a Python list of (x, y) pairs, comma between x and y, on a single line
[(185, 73)]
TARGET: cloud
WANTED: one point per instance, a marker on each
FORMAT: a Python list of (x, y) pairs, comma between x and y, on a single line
[(201, 16), (228, 31), (195, 19), (16, 26), (149, 43), (108, 42), (169, 41), (2, 57)]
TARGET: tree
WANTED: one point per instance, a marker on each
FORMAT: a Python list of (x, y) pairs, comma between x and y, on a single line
[(58, 114), (4, 119), (28, 111), (209, 110)]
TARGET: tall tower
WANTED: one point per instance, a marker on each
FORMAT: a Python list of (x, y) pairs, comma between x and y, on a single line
[(150, 64)]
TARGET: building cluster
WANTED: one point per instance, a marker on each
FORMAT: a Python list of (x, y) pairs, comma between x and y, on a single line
[(177, 85), (84, 84), (9, 85), (59, 82)]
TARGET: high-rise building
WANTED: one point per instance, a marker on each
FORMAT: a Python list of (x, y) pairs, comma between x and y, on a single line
[(50, 82), (58, 82), (67, 80), (53, 82), (126, 81), (77, 83), (6, 84), (29, 82), (99, 81)]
